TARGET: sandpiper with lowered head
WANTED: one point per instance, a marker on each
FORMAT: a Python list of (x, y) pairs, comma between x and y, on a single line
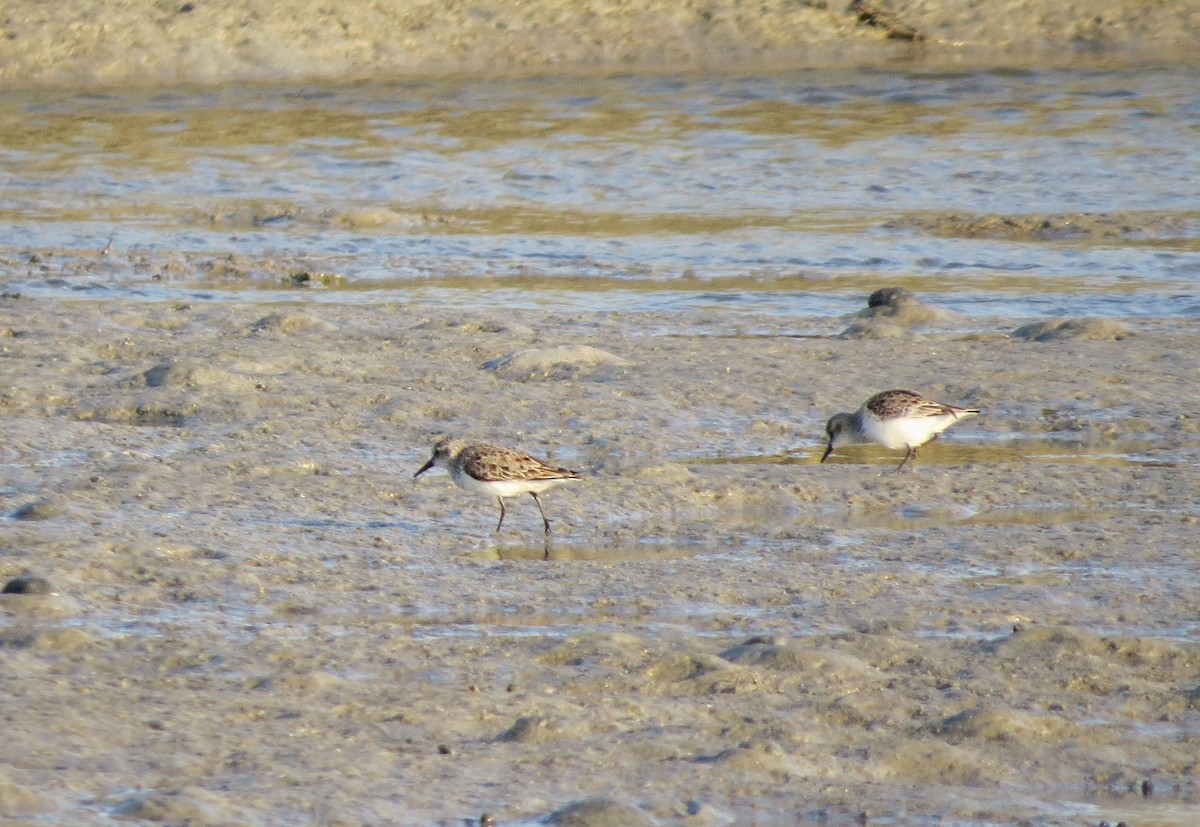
[(501, 472), (894, 419)]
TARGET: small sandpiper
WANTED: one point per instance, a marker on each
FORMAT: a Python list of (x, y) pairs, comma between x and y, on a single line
[(894, 419), (501, 472)]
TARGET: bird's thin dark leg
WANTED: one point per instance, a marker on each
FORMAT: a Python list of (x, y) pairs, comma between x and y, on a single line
[(910, 453), (501, 499), (545, 526), (545, 522)]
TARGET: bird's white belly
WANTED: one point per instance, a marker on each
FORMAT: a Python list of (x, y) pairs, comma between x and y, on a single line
[(902, 433), (504, 488)]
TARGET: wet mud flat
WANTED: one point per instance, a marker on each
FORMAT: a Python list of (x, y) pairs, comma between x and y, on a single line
[(257, 616)]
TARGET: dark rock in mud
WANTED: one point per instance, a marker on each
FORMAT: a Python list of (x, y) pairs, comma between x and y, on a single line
[(27, 584), (599, 812)]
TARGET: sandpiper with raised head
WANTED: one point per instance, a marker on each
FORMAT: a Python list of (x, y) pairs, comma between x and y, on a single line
[(501, 472)]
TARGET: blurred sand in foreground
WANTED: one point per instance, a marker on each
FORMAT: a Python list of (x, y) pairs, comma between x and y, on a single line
[(170, 41)]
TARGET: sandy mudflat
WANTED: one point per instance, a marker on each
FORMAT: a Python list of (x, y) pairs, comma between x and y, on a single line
[(171, 41), (262, 618)]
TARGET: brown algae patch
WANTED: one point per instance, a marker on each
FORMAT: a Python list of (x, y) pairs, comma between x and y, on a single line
[(1055, 329), (1056, 226)]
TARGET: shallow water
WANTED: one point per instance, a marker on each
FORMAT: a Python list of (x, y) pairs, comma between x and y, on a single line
[(1020, 194)]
